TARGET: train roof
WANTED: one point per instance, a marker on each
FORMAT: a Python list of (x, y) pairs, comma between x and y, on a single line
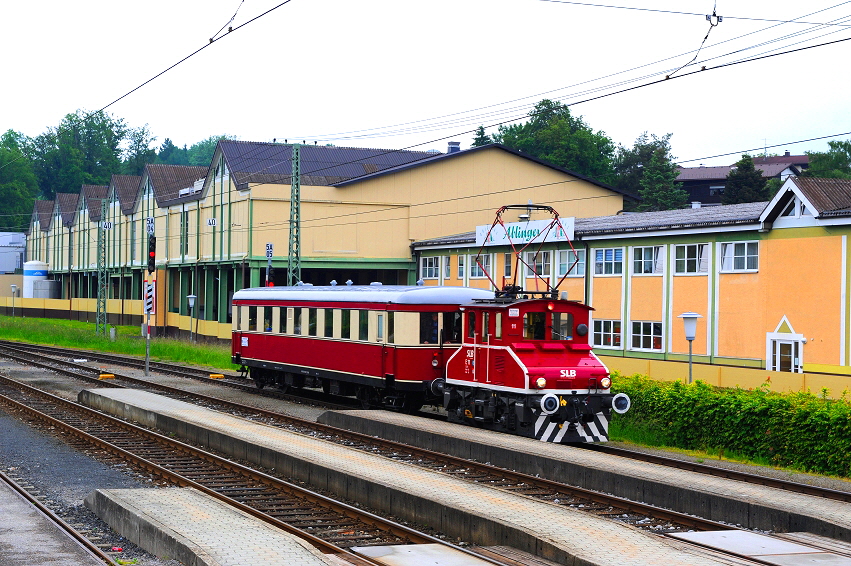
[(398, 294)]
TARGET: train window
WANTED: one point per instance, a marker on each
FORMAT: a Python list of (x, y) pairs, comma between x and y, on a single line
[(379, 335), (297, 321), (346, 324), (267, 319), (391, 331), (485, 324), (282, 320), (533, 325), (428, 328), (363, 325), (311, 322), (236, 318), (252, 318), (329, 323), (562, 326), (497, 325), (471, 324), (452, 327)]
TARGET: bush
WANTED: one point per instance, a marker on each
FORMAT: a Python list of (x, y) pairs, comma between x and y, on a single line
[(796, 430)]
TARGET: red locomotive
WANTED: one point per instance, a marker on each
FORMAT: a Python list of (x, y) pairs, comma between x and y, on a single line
[(511, 360), (505, 362)]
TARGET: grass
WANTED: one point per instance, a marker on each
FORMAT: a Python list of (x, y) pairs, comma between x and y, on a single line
[(629, 433), (129, 341)]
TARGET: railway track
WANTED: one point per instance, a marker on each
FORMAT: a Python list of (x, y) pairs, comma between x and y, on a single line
[(330, 525), (73, 533), (251, 412), (234, 381), (645, 517)]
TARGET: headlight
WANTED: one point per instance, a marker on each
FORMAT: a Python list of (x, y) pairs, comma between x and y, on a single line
[(434, 362), (606, 382), (541, 382)]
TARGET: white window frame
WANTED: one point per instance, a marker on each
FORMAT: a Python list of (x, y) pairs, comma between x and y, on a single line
[(739, 253), (611, 332), (508, 258), (648, 260), (700, 256), (532, 263), (447, 267), (479, 272), (565, 258), (643, 333), (601, 260), (430, 267), (461, 262)]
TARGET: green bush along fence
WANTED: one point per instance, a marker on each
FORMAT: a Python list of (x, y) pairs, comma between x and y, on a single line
[(797, 430)]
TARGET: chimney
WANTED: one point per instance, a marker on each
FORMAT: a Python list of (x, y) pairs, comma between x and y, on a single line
[(454, 147), (786, 154)]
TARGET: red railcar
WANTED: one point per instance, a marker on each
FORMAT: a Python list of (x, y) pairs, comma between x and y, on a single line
[(505, 362)]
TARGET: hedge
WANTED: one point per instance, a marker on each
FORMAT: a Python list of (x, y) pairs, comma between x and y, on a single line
[(796, 430)]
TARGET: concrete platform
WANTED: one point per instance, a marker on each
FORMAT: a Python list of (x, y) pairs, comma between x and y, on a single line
[(27, 537), (715, 498), (476, 513), (196, 529)]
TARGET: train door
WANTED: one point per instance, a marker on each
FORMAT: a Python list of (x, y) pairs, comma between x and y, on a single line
[(483, 337)]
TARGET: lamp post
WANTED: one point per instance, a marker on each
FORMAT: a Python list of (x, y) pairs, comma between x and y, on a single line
[(14, 292), (690, 326), (191, 299)]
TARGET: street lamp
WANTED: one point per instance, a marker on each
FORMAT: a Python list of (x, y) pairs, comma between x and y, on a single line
[(14, 292), (191, 299), (690, 326)]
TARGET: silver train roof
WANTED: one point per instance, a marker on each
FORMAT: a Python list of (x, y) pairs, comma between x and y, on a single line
[(398, 294)]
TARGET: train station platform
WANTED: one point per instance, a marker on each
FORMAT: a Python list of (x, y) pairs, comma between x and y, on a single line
[(28, 537), (710, 497), (472, 512), (198, 530)]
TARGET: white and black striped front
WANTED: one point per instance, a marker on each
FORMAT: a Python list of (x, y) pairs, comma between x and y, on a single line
[(595, 431)]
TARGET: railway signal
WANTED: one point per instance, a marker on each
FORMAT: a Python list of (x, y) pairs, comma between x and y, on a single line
[(152, 254)]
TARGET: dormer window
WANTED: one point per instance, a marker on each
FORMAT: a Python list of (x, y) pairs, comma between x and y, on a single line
[(795, 208)]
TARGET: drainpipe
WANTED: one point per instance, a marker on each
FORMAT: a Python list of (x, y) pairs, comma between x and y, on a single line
[(587, 275)]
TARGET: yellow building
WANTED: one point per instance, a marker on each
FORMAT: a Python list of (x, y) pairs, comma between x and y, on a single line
[(770, 281), (360, 211)]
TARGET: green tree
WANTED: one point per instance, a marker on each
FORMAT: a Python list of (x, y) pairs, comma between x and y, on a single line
[(481, 138), (18, 186), (138, 152), (85, 149), (745, 183), (170, 154), (555, 135), (659, 188), (201, 153), (631, 163), (834, 163)]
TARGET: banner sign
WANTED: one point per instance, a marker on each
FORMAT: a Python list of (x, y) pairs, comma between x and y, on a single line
[(525, 232)]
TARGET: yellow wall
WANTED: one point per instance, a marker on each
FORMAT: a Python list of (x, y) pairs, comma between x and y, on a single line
[(606, 297), (690, 294), (726, 376)]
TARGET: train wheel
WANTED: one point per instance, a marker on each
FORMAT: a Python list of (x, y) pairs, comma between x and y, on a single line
[(368, 397), (411, 405)]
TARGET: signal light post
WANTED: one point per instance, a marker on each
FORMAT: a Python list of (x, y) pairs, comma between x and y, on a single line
[(149, 290)]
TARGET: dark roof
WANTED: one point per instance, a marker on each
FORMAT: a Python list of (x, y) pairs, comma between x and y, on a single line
[(720, 173), (43, 210), (441, 156), (67, 204), (127, 190), (167, 180), (724, 215), (92, 196), (832, 197), (257, 162), (788, 159)]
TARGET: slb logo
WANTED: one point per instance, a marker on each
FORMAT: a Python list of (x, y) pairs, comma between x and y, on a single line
[(567, 373)]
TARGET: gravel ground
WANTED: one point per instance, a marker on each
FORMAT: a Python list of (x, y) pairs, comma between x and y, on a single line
[(64, 477)]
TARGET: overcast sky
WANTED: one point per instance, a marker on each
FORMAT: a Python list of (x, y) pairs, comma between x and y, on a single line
[(318, 70)]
